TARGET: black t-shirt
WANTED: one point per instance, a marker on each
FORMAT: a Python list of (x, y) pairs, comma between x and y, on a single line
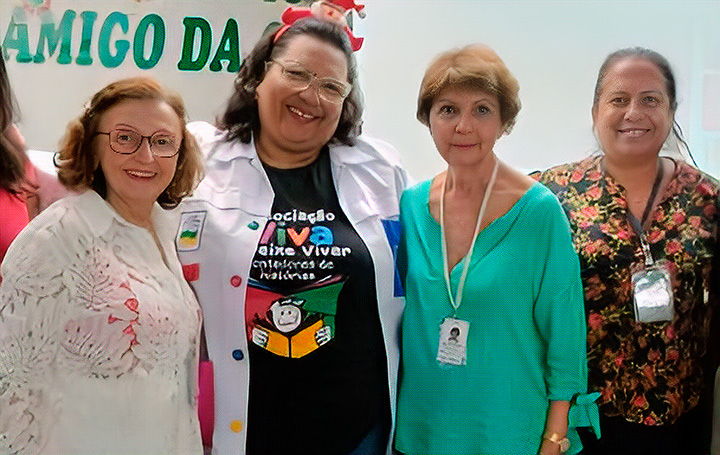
[(318, 379)]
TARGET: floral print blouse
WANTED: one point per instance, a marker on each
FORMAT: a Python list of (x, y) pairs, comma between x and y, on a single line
[(650, 373), (98, 337)]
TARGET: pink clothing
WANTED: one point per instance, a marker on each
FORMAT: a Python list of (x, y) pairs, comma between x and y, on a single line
[(13, 217)]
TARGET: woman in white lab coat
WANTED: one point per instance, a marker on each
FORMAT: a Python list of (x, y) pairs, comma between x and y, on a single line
[(289, 244)]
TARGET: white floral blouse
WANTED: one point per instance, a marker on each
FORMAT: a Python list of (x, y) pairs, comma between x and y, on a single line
[(98, 337)]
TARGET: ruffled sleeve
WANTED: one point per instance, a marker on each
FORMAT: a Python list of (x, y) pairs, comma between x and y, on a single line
[(559, 311)]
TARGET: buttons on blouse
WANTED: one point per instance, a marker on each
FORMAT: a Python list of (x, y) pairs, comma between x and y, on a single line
[(235, 281), (238, 355), (253, 225), (236, 426)]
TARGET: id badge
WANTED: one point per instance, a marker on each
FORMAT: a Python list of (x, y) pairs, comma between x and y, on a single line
[(653, 294), (452, 346)]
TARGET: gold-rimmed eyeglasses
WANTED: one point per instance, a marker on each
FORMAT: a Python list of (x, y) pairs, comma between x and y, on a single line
[(297, 77), (127, 142)]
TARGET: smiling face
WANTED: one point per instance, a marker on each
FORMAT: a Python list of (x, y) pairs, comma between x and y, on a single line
[(296, 124), (135, 181), (465, 123), (633, 116)]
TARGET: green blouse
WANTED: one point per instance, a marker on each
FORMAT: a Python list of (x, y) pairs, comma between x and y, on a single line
[(526, 343)]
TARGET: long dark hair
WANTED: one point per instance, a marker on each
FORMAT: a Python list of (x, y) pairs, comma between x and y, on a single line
[(11, 165), (241, 118)]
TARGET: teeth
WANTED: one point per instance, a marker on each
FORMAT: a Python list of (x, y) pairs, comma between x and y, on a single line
[(141, 174), (297, 111), (634, 133)]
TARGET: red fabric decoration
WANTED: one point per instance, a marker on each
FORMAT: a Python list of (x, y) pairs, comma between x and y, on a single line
[(327, 10)]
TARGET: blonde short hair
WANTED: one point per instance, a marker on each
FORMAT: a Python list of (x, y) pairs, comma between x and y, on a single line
[(475, 66)]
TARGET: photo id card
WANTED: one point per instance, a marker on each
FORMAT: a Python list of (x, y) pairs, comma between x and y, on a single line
[(452, 346), (652, 294)]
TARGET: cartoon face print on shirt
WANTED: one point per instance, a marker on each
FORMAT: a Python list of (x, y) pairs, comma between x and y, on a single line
[(295, 325), (292, 294), (295, 279), (310, 270), (286, 314)]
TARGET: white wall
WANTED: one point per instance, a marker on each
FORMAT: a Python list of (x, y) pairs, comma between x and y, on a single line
[(554, 48)]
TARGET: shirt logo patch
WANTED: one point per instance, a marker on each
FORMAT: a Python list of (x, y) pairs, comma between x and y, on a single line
[(190, 231)]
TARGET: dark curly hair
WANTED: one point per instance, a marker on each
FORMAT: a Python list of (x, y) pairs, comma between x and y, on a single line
[(78, 163), (241, 118)]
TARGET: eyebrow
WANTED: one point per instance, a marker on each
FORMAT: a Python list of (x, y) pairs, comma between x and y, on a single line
[(480, 101), (644, 92), (132, 128)]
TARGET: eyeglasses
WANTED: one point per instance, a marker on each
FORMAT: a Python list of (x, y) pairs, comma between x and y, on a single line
[(297, 77), (127, 142)]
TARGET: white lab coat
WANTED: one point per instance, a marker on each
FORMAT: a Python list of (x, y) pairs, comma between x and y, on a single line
[(231, 207)]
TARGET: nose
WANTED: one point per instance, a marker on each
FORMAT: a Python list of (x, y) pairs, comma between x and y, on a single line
[(464, 124), (143, 154), (311, 94), (634, 111)]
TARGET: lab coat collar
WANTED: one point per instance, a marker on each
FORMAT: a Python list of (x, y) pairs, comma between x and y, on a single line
[(225, 151), (218, 148), (343, 155)]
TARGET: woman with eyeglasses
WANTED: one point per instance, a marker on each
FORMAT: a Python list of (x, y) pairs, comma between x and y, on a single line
[(99, 332), (289, 243)]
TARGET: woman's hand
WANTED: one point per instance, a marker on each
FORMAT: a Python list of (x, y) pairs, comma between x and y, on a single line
[(549, 448), (556, 425)]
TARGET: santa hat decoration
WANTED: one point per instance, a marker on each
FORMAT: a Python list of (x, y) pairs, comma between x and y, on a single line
[(295, 13), (348, 5)]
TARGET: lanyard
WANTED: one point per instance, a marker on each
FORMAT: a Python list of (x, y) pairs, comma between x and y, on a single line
[(455, 302), (638, 225)]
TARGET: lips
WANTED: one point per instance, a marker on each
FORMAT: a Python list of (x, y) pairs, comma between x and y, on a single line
[(633, 132), (138, 174), (298, 113)]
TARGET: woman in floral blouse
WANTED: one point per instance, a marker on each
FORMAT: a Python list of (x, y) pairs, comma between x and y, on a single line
[(646, 229)]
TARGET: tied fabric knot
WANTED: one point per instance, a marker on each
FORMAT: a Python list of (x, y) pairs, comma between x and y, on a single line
[(584, 412)]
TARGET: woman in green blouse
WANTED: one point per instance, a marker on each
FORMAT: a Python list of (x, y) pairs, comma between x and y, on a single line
[(493, 334)]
